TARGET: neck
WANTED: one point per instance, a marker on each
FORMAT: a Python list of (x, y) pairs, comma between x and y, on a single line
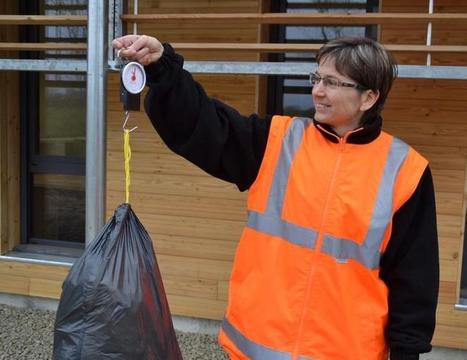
[(344, 129)]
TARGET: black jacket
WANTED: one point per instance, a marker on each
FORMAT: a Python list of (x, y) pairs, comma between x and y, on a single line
[(227, 145)]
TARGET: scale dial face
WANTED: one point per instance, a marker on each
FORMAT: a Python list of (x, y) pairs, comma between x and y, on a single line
[(133, 77)]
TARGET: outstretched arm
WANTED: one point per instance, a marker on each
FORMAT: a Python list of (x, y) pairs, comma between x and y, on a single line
[(206, 131)]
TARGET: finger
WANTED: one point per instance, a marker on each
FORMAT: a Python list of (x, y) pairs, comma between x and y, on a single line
[(117, 44), (141, 54), (127, 53), (127, 40), (140, 43), (146, 60)]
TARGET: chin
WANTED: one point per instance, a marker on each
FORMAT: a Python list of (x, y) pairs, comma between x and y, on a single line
[(323, 119)]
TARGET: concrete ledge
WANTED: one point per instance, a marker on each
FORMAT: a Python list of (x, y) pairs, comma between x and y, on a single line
[(439, 353), (29, 302), (195, 325), (181, 323)]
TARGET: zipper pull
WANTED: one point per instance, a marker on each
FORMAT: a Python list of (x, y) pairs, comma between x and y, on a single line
[(342, 142)]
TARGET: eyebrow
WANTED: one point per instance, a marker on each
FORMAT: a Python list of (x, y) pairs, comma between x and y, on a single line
[(331, 76), (328, 76)]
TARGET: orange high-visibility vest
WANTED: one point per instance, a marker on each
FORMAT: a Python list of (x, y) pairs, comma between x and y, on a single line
[(305, 282)]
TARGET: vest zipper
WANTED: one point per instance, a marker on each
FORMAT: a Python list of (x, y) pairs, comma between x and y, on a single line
[(319, 240)]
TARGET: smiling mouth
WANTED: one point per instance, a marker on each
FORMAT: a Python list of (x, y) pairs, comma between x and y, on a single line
[(321, 106)]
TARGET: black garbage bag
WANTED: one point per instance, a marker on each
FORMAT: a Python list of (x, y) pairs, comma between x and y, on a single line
[(113, 303)]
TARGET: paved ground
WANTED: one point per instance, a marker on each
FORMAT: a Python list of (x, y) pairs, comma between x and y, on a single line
[(27, 334)]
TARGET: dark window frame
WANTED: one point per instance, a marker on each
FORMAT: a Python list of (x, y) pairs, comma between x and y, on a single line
[(32, 162), (275, 84), (463, 279)]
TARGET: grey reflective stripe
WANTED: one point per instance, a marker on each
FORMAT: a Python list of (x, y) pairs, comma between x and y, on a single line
[(280, 228), (290, 144), (253, 350), (368, 253), (271, 222), (343, 250), (382, 211)]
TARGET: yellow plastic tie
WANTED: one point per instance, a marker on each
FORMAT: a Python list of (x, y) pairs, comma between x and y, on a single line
[(127, 156)]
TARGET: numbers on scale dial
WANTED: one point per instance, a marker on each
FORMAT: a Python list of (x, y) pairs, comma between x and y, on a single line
[(133, 77)]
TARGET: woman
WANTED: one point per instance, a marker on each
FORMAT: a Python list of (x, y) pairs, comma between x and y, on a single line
[(339, 257)]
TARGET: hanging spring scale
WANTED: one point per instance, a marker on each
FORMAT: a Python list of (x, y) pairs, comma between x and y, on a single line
[(132, 82)]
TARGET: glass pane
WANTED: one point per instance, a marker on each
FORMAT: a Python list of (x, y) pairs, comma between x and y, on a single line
[(298, 105), (64, 3), (296, 93), (297, 82), (319, 2), (58, 207), (62, 129), (322, 33), (64, 33)]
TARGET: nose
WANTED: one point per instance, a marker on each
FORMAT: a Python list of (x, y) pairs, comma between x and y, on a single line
[(318, 89)]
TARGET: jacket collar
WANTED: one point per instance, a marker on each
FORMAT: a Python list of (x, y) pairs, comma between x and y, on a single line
[(370, 130)]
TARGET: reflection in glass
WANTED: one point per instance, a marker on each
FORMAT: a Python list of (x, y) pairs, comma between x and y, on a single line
[(58, 207), (322, 33), (62, 130), (291, 95), (298, 105)]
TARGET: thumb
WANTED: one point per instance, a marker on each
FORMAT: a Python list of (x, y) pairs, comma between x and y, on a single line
[(117, 44)]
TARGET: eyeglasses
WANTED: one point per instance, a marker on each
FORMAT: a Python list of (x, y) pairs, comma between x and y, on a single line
[(332, 83)]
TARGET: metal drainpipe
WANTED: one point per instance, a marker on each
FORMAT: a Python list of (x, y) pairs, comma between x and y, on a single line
[(96, 117), (429, 32), (135, 12)]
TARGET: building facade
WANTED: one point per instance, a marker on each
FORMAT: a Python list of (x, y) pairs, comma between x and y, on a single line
[(195, 220)]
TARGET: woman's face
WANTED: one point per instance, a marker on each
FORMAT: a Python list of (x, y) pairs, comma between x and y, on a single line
[(338, 106)]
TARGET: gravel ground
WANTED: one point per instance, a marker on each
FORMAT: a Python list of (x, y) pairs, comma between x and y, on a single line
[(27, 334)]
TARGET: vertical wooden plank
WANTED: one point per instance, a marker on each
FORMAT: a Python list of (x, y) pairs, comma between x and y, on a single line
[(9, 141), (14, 143), (3, 165), (13, 181), (262, 81), (3, 147)]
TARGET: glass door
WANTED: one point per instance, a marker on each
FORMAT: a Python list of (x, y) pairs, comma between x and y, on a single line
[(53, 111)]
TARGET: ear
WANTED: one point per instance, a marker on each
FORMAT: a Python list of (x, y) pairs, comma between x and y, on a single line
[(368, 99)]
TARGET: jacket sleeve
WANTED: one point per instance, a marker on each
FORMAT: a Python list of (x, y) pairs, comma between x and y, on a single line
[(205, 131), (410, 268)]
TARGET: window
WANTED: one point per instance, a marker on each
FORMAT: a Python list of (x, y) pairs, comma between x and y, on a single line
[(53, 112), (291, 95)]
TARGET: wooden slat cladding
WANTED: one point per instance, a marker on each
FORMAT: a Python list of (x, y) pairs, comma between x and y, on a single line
[(32, 279), (201, 32), (431, 116), (442, 34), (193, 219), (235, 47), (299, 18), (196, 218), (11, 46), (42, 20), (194, 6), (9, 143)]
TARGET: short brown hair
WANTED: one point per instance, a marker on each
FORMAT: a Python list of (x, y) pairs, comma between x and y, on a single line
[(366, 62)]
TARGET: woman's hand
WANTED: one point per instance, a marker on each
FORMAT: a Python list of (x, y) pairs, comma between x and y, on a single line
[(141, 48)]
